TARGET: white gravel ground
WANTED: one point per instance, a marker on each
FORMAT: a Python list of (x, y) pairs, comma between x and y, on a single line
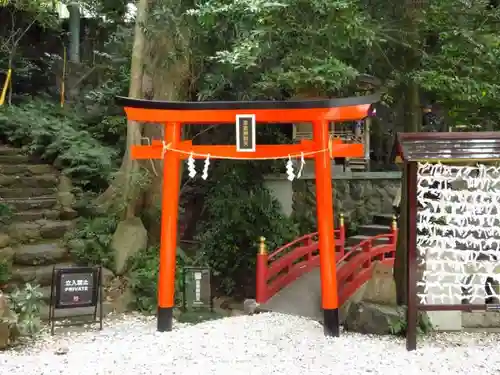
[(263, 344)]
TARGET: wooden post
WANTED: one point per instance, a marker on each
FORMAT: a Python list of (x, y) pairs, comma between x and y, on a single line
[(411, 246), (366, 142)]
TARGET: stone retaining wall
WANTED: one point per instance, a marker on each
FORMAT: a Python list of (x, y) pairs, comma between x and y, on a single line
[(358, 195)]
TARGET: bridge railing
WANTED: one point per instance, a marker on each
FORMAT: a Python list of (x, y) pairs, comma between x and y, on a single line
[(355, 268), (284, 265), (289, 262)]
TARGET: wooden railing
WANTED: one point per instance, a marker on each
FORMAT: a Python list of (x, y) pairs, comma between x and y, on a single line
[(289, 262), (285, 265), (355, 268)]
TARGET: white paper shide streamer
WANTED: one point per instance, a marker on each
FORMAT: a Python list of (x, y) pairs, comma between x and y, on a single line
[(205, 167), (458, 239), (289, 169), (191, 166)]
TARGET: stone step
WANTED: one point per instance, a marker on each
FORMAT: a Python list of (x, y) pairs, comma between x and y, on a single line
[(41, 275), (383, 219), (37, 214), (25, 204), (373, 229), (357, 162), (354, 240), (49, 180), (39, 229), (6, 150), (357, 167), (27, 192), (39, 254), (14, 159), (26, 170)]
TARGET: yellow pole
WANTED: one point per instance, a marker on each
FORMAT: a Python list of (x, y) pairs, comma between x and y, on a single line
[(63, 86), (5, 86)]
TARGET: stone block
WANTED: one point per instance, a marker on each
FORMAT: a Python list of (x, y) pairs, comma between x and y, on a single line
[(370, 318), (129, 238), (381, 288)]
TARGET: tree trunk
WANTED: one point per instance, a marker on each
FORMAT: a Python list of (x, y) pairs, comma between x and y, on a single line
[(123, 193), (74, 32), (414, 115), (168, 83), (413, 122), (73, 66)]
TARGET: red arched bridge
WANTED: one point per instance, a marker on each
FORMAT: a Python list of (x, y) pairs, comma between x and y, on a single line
[(279, 269)]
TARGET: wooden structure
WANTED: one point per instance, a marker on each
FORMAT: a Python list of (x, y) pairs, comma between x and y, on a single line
[(246, 115), (446, 148), (355, 132)]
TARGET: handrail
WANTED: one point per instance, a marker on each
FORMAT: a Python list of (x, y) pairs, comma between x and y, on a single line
[(308, 237), (353, 274), (288, 263), (368, 243), (290, 244)]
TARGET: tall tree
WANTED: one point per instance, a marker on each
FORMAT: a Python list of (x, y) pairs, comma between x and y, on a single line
[(123, 192)]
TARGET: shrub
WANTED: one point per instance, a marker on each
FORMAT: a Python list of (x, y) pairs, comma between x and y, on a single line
[(144, 278), (90, 241), (238, 210), (58, 137), (6, 213), (5, 272), (26, 303)]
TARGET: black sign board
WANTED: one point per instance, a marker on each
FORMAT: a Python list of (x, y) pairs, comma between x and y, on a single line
[(196, 288), (76, 287), (245, 133)]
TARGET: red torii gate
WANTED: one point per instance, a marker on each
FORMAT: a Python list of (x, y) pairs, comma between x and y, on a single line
[(246, 114)]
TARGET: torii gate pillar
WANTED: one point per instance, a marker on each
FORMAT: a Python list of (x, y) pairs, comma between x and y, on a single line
[(324, 212), (169, 220)]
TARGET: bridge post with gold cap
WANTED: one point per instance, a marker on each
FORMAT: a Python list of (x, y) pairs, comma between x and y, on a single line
[(262, 260), (394, 229), (341, 250)]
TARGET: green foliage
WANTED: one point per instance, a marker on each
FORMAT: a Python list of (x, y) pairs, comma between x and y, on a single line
[(288, 45), (458, 64), (144, 269), (59, 137), (90, 241), (6, 213), (276, 49), (5, 271), (238, 210), (304, 207), (399, 326), (26, 303)]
